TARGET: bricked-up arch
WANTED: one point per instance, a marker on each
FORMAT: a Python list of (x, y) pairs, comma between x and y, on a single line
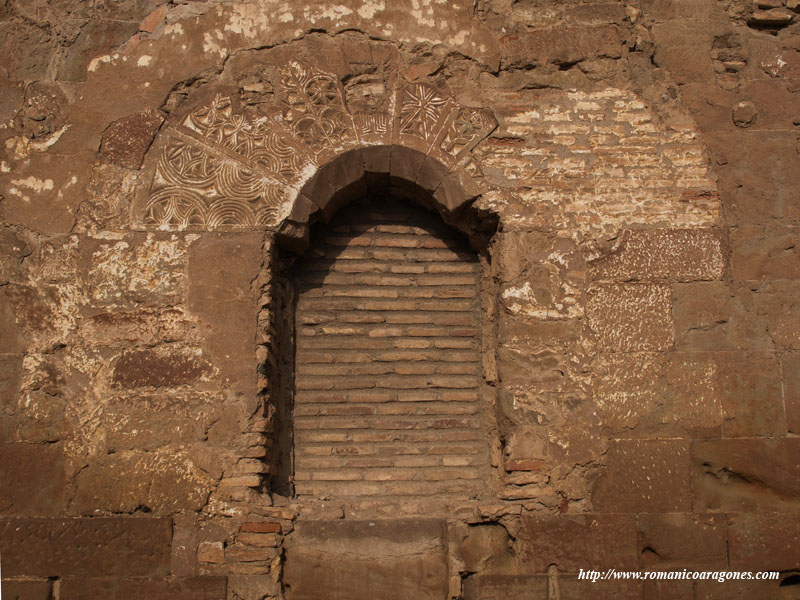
[(388, 359), (220, 164), (423, 243)]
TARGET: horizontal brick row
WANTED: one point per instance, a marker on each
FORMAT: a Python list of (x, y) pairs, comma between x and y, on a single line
[(398, 382), (387, 367)]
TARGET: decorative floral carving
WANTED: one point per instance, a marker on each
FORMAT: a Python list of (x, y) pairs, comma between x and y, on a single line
[(217, 168), (314, 107), (420, 110), (466, 128)]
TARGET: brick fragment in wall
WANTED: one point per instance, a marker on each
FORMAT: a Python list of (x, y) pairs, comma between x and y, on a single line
[(388, 358)]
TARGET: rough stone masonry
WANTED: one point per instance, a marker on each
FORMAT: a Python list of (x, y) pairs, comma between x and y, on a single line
[(419, 299)]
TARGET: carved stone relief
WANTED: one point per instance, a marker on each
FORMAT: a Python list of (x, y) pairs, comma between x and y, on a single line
[(218, 168)]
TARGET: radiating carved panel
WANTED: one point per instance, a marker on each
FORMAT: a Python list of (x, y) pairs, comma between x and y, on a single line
[(422, 108), (220, 167), (195, 188)]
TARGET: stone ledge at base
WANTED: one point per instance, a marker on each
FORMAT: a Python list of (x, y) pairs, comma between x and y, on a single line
[(355, 560)]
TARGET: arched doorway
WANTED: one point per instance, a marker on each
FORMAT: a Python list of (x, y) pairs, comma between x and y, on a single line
[(388, 368)]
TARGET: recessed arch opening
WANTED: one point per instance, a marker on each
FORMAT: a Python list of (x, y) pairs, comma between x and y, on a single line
[(369, 177)]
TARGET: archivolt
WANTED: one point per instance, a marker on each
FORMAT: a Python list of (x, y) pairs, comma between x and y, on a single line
[(217, 168)]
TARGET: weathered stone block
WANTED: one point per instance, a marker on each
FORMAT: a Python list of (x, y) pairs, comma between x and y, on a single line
[(747, 475), (572, 587), (713, 589), (485, 548), (755, 190), (91, 547), (134, 271), (649, 395), (759, 253), (365, 560), (573, 542), (560, 45), (160, 367), (684, 49), (504, 587), (147, 588), (645, 476), (224, 301), (765, 542), (32, 479), (671, 254), (673, 541), (26, 590), (631, 317), (790, 367), (162, 482), (125, 141), (749, 386), (717, 316), (13, 249), (252, 587)]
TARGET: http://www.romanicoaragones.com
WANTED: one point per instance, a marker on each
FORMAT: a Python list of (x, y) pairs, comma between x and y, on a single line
[(685, 574)]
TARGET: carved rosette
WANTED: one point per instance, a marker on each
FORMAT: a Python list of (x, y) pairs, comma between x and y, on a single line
[(217, 168)]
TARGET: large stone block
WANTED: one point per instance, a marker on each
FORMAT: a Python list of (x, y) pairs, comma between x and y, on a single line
[(573, 542), (222, 269), (790, 367), (673, 541), (718, 316), (669, 254), (749, 386), (136, 270), (713, 589), (645, 394), (764, 542), (89, 547), (560, 45), (759, 174), (747, 475), (645, 476), (160, 367), (26, 590), (162, 482), (505, 587), (151, 421), (684, 50), (32, 479), (146, 588), (763, 253), (631, 317), (355, 560)]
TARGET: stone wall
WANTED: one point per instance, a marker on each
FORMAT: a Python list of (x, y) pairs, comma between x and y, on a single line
[(625, 173)]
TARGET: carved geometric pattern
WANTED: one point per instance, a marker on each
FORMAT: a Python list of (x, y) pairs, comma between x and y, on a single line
[(420, 110), (314, 107), (217, 168), (373, 124), (466, 127)]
